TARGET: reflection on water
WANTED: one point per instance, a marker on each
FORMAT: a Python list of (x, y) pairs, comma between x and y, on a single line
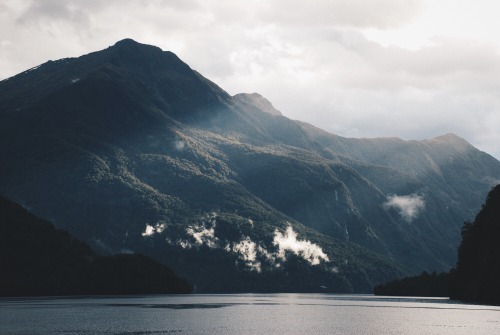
[(246, 314)]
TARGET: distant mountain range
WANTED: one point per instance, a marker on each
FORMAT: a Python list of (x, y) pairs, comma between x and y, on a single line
[(131, 150)]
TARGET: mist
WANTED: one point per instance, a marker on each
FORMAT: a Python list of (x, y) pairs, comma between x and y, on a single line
[(408, 206), (288, 242)]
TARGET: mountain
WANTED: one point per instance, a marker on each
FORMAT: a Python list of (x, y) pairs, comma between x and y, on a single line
[(423, 285), (255, 102), (37, 259), (476, 276), (130, 149)]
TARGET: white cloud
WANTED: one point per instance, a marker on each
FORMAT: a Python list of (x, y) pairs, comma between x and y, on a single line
[(409, 206), (179, 145), (148, 231), (184, 244), (248, 252), (247, 249), (354, 13), (288, 243), (158, 228), (202, 235), (254, 255), (268, 256), (197, 235)]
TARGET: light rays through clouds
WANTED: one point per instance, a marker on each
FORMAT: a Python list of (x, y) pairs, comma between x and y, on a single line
[(359, 68)]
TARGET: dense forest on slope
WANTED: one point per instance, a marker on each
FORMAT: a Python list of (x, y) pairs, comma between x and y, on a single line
[(37, 259)]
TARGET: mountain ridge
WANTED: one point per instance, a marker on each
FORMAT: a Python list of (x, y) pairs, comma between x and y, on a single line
[(128, 148)]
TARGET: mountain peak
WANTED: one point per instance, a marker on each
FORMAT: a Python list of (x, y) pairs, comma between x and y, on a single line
[(451, 139), (129, 44), (147, 57), (258, 101), (143, 73), (127, 41)]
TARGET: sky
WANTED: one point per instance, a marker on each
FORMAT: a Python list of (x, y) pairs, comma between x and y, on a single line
[(412, 69)]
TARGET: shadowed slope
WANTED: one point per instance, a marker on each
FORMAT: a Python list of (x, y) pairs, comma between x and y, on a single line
[(37, 259)]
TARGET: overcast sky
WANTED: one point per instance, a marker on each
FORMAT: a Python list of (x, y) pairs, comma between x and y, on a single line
[(358, 68)]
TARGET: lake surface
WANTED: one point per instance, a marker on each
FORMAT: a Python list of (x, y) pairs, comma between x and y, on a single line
[(245, 314)]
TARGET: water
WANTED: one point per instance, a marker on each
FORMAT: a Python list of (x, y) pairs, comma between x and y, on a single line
[(245, 314)]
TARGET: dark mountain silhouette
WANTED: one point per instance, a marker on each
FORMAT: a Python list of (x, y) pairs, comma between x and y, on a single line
[(129, 148), (476, 276), (423, 285), (37, 259)]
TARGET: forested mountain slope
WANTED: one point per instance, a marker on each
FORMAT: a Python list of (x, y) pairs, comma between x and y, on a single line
[(130, 149)]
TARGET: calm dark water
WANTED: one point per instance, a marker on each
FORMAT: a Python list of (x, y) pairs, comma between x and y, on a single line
[(245, 314)]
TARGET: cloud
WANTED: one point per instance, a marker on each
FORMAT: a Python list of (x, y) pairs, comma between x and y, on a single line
[(256, 256), (247, 249), (195, 235), (55, 11), (203, 235), (151, 230), (409, 206), (305, 249), (184, 244), (179, 145), (354, 13), (248, 252)]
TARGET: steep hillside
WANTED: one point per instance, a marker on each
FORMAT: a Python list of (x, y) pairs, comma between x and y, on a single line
[(130, 149)]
